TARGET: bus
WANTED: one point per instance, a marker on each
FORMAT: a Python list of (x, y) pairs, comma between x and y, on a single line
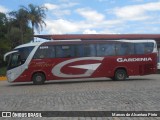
[(73, 59)]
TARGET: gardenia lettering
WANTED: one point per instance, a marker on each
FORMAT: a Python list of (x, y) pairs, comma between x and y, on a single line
[(133, 59)]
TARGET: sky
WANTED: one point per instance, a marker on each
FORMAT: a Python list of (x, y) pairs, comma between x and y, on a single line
[(95, 16)]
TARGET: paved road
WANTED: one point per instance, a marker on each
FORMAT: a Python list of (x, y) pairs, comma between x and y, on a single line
[(135, 94)]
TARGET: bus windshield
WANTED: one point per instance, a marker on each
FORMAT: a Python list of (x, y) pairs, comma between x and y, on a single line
[(18, 58), (24, 52), (15, 60)]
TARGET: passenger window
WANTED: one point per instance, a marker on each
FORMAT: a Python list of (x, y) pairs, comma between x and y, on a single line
[(124, 49), (89, 50), (65, 51), (149, 47), (142, 48), (139, 48), (79, 50), (105, 49), (45, 52)]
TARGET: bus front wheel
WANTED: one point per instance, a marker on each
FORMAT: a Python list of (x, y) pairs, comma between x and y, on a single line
[(38, 78), (120, 74)]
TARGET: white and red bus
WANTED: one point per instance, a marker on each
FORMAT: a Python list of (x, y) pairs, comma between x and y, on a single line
[(73, 59)]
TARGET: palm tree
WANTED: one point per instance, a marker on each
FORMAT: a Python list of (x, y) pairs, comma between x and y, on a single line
[(36, 15), (20, 19)]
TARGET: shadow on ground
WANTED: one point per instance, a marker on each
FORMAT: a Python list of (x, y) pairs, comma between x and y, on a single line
[(78, 81)]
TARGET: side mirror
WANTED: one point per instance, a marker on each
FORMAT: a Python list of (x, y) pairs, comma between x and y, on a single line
[(6, 60)]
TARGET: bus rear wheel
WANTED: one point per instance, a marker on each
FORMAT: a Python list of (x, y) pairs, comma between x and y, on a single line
[(38, 78), (120, 74)]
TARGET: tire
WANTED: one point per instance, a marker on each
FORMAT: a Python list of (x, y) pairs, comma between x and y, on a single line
[(38, 78), (120, 74)]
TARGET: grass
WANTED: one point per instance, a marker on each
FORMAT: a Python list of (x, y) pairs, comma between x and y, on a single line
[(2, 71)]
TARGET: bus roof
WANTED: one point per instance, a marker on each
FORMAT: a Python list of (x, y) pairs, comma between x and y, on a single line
[(29, 44), (59, 42), (136, 41), (78, 41)]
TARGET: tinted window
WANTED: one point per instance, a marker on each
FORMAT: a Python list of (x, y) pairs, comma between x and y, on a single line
[(65, 51), (149, 47), (105, 49), (45, 52), (15, 61), (24, 52), (89, 50), (124, 49), (79, 50), (141, 48)]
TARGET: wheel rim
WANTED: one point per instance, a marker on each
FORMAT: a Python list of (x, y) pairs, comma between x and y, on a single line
[(38, 78), (121, 75)]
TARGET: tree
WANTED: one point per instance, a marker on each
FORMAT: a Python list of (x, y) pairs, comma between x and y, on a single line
[(3, 19), (15, 38), (21, 19), (15, 27), (4, 43), (36, 15)]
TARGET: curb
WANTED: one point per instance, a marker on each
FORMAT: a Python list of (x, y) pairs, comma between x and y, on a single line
[(3, 78)]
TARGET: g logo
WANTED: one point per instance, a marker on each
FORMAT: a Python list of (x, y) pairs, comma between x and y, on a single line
[(90, 67)]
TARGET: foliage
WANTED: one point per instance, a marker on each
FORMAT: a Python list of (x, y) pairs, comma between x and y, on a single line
[(2, 71), (36, 14), (20, 19), (4, 42), (15, 27)]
